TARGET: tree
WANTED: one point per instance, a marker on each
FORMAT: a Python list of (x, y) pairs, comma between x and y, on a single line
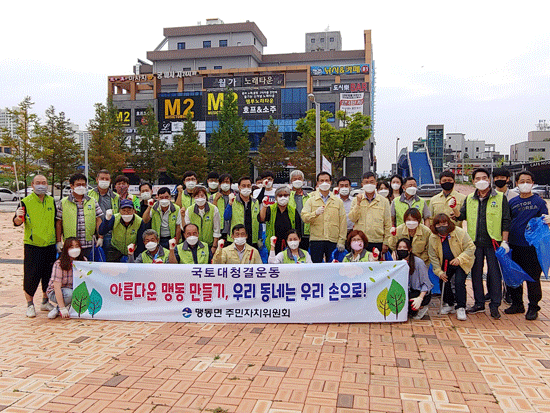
[(229, 145), (21, 141), (272, 154), (150, 148), (55, 145), (107, 147), (186, 153)]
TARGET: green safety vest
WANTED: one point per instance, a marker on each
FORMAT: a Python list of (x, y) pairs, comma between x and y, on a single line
[(363, 257), (186, 255), (221, 205), (115, 198), (69, 217), (288, 258), (493, 215), (147, 259), (204, 223), (270, 225), (292, 203), (186, 200), (401, 208), (125, 235), (39, 220), (156, 218), (237, 217)]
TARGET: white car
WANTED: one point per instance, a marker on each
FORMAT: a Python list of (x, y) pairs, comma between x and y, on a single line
[(7, 195)]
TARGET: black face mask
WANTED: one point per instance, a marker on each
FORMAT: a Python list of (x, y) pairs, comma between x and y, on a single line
[(442, 230), (402, 254), (447, 186), (500, 183)]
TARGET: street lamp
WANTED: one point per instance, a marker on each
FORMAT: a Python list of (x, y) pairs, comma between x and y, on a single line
[(396, 153), (311, 98)]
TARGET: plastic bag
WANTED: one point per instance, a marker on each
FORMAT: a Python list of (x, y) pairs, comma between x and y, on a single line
[(512, 274), (264, 254), (339, 256), (434, 279), (387, 256), (537, 234), (97, 254)]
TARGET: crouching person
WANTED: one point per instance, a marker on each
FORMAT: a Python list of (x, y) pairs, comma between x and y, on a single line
[(60, 287), (153, 254), (192, 251)]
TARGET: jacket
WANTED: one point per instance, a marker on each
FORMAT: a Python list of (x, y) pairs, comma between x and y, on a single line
[(462, 248), (439, 205), (419, 242), (331, 225), (229, 255), (373, 218)]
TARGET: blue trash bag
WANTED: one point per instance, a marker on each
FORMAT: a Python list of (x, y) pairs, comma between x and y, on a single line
[(264, 254), (435, 280), (339, 256), (124, 258), (387, 256), (97, 254), (537, 234), (512, 274)]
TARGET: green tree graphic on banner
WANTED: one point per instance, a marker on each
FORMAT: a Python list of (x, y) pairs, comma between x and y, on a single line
[(81, 299), (396, 297), (382, 303), (96, 301)]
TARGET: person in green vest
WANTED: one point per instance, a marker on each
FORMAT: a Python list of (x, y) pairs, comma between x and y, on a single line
[(127, 228), (221, 200), (297, 200), (145, 194), (154, 253), (107, 199), (292, 254), (279, 217), (206, 217), (243, 209), (78, 215), (487, 214), (409, 199), (213, 183), (122, 185), (191, 251), (357, 242), (164, 216), (239, 252), (185, 195), (37, 212)]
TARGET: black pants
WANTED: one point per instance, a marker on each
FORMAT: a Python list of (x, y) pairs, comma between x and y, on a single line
[(457, 297), (527, 259), (304, 243), (113, 255), (37, 267), (494, 277), (164, 242), (321, 249), (425, 301)]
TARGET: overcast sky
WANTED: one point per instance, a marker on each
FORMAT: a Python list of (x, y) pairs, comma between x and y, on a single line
[(478, 67)]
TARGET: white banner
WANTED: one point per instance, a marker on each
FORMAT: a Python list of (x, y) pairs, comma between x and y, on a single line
[(289, 293), (351, 103)]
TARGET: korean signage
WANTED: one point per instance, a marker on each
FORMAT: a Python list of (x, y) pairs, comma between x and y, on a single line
[(340, 70), (124, 117), (352, 102), (172, 111), (159, 75), (232, 82), (350, 87), (252, 104), (176, 74), (288, 293), (139, 114)]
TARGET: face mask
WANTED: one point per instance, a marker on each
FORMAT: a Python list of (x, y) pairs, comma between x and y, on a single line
[(80, 190), (192, 240), (384, 192), (395, 187), (190, 184), (344, 191), (325, 186), (200, 201), (482, 185), (402, 254), (357, 245), (246, 191), (40, 189), (293, 244), (442, 230), (164, 203), (145, 196), (126, 218), (260, 186), (369, 188), (74, 252), (447, 186), (269, 184), (500, 183), (525, 188), (240, 241), (213, 185), (411, 224), (411, 190), (297, 184), (225, 187), (103, 184), (282, 200), (151, 246)]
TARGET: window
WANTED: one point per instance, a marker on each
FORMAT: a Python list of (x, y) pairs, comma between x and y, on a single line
[(7, 150), (254, 40), (217, 67), (312, 40), (223, 43), (181, 45), (322, 40), (206, 44), (202, 67), (331, 39), (186, 69)]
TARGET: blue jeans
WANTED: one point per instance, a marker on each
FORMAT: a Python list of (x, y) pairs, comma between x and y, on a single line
[(67, 296)]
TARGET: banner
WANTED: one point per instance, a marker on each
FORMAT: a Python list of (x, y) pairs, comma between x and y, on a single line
[(350, 87), (340, 70), (352, 103), (289, 293), (251, 103), (222, 82), (172, 111)]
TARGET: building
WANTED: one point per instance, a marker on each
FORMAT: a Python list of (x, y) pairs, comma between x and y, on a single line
[(7, 126), (192, 66), (80, 136), (434, 143), (537, 146), (321, 41)]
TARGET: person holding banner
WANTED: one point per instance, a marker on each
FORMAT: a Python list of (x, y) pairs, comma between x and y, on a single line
[(206, 217), (165, 217), (185, 197), (452, 254), (221, 200), (420, 286), (243, 209), (293, 254), (153, 254), (191, 251), (356, 243), (239, 252), (414, 230), (60, 287), (297, 200)]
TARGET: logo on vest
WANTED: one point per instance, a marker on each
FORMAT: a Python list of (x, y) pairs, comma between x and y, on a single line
[(494, 204)]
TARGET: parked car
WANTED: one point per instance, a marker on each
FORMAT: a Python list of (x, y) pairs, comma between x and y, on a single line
[(428, 190), (7, 195)]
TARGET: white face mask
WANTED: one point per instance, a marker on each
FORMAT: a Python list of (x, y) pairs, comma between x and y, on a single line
[(482, 185), (74, 252), (240, 241), (145, 196), (369, 188), (297, 184), (293, 244), (192, 240), (164, 203), (395, 186), (213, 185), (268, 184), (384, 192), (246, 191), (190, 184), (126, 218), (225, 187), (325, 186), (200, 201), (80, 190), (411, 224), (282, 200), (151, 246), (102, 184), (525, 188), (344, 191), (411, 190)]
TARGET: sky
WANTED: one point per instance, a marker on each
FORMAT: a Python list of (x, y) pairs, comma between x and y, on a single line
[(479, 67)]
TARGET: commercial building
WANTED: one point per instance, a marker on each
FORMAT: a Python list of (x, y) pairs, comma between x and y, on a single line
[(537, 146), (192, 66), (7, 126), (434, 144)]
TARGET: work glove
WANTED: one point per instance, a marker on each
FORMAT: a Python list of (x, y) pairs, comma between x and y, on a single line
[(506, 247), (273, 240), (150, 202), (393, 231), (340, 247), (131, 249), (99, 242), (59, 246), (64, 312), (416, 303), (108, 214), (452, 202), (20, 212), (375, 254), (172, 243), (320, 210)]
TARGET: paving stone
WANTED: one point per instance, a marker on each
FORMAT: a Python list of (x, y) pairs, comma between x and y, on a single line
[(115, 381), (345, 400)]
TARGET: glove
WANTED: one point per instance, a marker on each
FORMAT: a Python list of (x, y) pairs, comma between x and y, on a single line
[(340, 247), (452, 202), (108, 214), (172, 243), (158, 261), (273, 240), (416, 303), (59, 246), (546, 219), (64, 312), (393, 231), (335, 260), (336, 191), (265, 202), (20, 212), (131, 249), (99, 242), (220, 244), (506, 247), (231, 198), (375, 253), (150, 202), (260, 244), (320, 210)]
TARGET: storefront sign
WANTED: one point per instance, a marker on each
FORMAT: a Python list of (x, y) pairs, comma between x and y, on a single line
[(340, 70), (350, 87), (222, 82)]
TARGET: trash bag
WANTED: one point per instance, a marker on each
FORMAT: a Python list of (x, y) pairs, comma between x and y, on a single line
[(264, 254), (387, 256), (339, 256), (97, 254), (512, 274), (537, 234), (434, 279)]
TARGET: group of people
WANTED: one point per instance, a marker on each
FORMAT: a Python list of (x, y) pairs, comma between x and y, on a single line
[(451, 235)]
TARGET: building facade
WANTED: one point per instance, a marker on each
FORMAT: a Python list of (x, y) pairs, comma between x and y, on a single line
[(537, 146), (434, 143)]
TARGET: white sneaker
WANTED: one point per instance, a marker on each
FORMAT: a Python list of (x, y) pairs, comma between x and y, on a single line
[(46, 306), (421, 313), (447, 309), (461, 314), (31, 311), (54, 313)]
